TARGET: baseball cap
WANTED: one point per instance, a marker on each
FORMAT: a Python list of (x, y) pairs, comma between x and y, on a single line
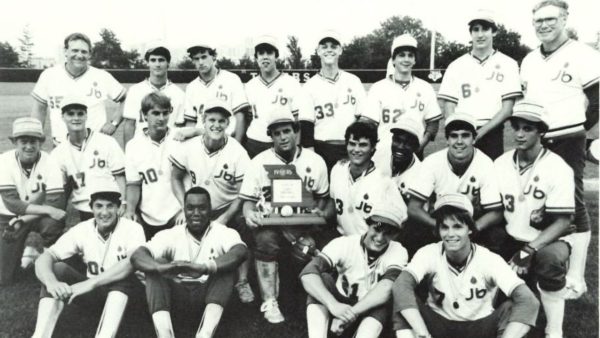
[(27, 126), (217, 106), (158, 50), (404, 40), (280, 115), (385, 215), (109, 192), (483, 15), (73, 100), (463, 117), (267, 40), (330, 34), (196, 48), (456, 200), (530, 110), (410, 126)]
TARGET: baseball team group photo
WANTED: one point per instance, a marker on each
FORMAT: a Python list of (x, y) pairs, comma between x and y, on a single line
[(243, 200)]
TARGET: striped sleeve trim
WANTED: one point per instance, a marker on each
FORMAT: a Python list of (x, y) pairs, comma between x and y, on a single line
[(55, 190), (560, 210), (592, 82), (190, 118), (176, 163), (512, 95), (323, 195), (495, 205), (394, 267), (322, 254), (138, 182), (119, 171), (248, 198), (39, 98), (448, 98), (121, 96), (240, 107), (417, 195), (8, 187), (435, 118)]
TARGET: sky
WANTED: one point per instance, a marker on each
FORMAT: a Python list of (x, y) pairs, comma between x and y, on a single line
[(231, 24)]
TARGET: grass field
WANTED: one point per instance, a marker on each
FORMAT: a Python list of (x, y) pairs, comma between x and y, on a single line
[(18, 302)]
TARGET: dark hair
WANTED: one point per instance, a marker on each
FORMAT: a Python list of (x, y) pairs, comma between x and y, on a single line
[(459, 125), (361, 129), (448, 211), (485, 24), (329, 39), (195, 50), (403, 48), (112, 196), (540, 126), (78, 36), (155, 99), (196, 191), (413, 140), (295, 126), (159, 51), (265, 47)]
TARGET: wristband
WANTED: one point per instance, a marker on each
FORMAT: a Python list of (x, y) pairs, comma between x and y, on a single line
[(14, 221), (115, 123), (211, 266)]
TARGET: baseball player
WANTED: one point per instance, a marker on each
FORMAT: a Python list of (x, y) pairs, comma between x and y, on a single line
[(483, 83), (104, 243), (214, 83), (404, 163), (537, 189), (351, 278), (404, 95), (32, 195), (563, 75), (337, 98), (158, 60), (216, 162), (463, 279), (190, 264), (268, 92), (460, 168), (357, 185), (283, 130), (148, 169), (87, 158), (77, 78)]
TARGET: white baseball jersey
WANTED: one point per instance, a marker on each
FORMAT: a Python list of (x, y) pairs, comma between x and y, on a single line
[(479, 86), (356, 277), (465, 295), (264, 97), (177, 244), (335, 104), (309, 166), (99, 254), (226, 86), (220, 172), (133, 103), (147, 162), (355, 198), (558, 80), (478, 182), (96, 85), (411, 173), (44, 177), (530, 194), (90, 166)]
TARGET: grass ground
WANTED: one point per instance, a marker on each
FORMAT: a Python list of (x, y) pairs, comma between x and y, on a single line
[(18, 302)]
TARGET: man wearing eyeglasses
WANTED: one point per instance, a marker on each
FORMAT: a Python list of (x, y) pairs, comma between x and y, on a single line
[(563, 74)]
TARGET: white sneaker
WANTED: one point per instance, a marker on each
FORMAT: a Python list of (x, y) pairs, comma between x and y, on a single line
[(30, 254), (272, 313), (244, 291)]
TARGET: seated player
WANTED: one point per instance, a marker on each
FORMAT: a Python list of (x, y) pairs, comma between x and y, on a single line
[(88, 158), (148, 170), (257, 197), (105, 244), (406, 137), (537, 189), (32, 195), (351, 279), (187, 266), (462, 280)]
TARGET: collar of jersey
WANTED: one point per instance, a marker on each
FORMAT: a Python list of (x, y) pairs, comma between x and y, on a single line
[(211, 81), (216, 151), (464, 267), (298, 152), (365, 250), (475, 150), (28, 173), (393, 79), (561, 47), (484, 60), (153, 87), (412, 162), (85, 140), (194, 239), (154, 142), (270, 83), (335, 78), (369, 170), (530, 165), (109, 235), (78, 76)]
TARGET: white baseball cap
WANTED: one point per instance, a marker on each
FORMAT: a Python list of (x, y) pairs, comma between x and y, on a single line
[(456, 200), (404, 40), (105, 189), (217, 106), (385, 215), (460, 116), (195, 48), (280, 115), (266, 40), (411, 126), (330, 34), (27, 126), (483, 15), (530, 110), (73, 100)]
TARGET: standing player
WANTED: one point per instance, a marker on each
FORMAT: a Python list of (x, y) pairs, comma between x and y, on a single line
[(87, 158), (268, 92), (405, 165), (158, 59), (483, 83), (537, 189), (148, 169), (404, 95), (283, 130), (76, 77), (463, 279), (214, 83), (188, 265), (32, 195), (337, 98), (563, 75), (365, 266), (105, 244), (357, 185)]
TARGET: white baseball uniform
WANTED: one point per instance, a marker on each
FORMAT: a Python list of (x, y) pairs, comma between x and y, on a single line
[(335, 104), (478, 182), (479, 86), (356, 277), (226, 86), (265, 97), (147, 163), (530, 194), (220, 172), (92, 165), (96, 85), (177, 244), (464, 295), (44, 177), (410, 173), (355, 198), (558, 81), (132, 108), (99, 254)]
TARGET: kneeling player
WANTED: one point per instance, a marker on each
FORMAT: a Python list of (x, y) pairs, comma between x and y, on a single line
[(463, 279), (365, 266), (104, 243)]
